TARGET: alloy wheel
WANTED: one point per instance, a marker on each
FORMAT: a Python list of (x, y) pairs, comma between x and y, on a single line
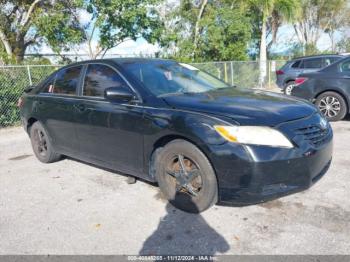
[(40, 142), (330, 106), (289, 88), (185, 174)]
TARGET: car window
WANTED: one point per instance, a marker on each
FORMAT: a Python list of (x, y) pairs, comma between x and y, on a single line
[(345, 66), (48, 86), (296, 64), (167, 77), (98, 78), (330, 60), (312, 63), (327, 61), (64, 82)]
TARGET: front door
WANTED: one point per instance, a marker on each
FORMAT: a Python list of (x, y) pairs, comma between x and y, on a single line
[(344, 72), (109, 132)]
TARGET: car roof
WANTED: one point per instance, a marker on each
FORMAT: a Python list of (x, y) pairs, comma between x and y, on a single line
[(139, 60), (119, 61), (316, 56)]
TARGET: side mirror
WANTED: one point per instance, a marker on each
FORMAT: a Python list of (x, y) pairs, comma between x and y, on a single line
[(121, 94)]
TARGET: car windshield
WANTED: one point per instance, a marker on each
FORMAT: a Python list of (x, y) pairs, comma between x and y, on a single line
[(166, 78)]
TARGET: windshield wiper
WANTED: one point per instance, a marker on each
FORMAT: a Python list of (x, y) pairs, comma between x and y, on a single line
[(171, 94), (191, 93)]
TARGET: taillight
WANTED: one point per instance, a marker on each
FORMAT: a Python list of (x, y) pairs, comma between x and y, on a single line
[(300, 80), (20, 102), (279, 72)]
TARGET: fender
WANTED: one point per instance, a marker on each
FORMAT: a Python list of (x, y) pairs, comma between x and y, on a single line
[(196, 128)]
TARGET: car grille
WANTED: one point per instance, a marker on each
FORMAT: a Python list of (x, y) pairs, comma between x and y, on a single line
[(314, 134)]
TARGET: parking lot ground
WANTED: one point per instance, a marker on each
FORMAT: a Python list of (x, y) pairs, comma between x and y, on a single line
[(73, 208)]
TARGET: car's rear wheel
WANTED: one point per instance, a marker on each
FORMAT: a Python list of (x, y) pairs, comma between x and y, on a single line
[(332, 105), (41, 144), (289, 88), (186, 177)]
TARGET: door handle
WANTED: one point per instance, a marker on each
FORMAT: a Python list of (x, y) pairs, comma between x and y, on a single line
[(80, 107)]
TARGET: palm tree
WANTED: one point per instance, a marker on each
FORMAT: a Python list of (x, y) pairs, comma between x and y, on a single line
[(269, 10)]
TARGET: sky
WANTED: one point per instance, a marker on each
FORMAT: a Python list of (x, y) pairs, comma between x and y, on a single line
[(126, 48), (286, 35), (141, 46)]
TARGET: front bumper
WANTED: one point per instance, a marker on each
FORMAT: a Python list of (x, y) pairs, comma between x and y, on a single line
[(254, 174)]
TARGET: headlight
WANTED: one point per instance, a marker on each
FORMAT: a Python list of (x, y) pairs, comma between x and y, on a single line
[(254, 135)]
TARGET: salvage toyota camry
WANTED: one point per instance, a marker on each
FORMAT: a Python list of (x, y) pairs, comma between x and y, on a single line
[(202, 140)]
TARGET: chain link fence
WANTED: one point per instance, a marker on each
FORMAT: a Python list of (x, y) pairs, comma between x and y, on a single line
[(245, 74), (14, 79)]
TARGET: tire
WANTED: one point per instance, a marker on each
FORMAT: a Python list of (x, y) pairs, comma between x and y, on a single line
[(41, 144), (288, 88), (332, 105), (201, 191)]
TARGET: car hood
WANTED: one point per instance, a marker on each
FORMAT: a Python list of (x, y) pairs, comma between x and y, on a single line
[(247, 107)]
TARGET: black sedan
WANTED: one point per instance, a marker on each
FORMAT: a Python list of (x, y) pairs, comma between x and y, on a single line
[(329, 89), (202, 140)]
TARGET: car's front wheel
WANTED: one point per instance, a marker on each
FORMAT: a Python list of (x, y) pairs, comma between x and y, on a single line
[(41, 144), (186, 177), (332, 106)]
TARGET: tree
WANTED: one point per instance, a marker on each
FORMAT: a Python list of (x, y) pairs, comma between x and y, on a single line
[(203, 4), (335, 17), (319, 16), (116, 21), (343, 46), (207, 31), (25, 23), (271, 13)]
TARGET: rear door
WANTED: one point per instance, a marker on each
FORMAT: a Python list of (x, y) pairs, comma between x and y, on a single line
[(56, 107), (109, 132), (311, 64)]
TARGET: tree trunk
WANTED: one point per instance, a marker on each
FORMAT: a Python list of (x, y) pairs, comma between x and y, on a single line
[(331, 36), (196, 29), (263, 55), (19, 57), (15, 48), (19, 50), (6, 44)]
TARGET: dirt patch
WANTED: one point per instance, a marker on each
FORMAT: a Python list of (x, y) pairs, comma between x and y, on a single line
[(272, 204), (299, 205), (334, 218)]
